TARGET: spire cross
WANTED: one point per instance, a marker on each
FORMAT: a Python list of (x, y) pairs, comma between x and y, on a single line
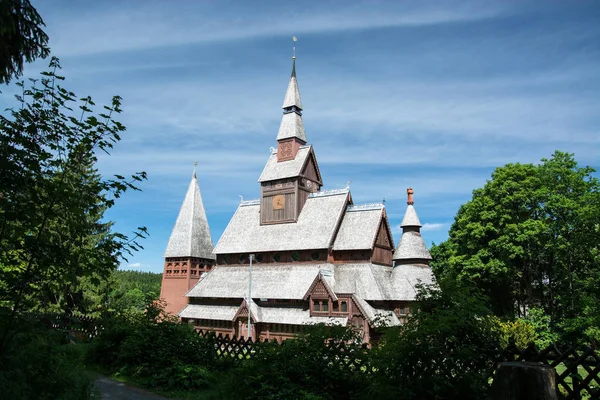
[(410, 193), (195, 164)]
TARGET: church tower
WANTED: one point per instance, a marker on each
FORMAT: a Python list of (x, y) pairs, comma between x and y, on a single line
[(291, 173), (189, 251)]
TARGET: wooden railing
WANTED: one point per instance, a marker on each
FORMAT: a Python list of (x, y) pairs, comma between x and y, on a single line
[(577, 368)]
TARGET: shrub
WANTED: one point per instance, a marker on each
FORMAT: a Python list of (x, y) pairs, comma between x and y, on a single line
[(446, 350), (154, 348), (519, 332), (315, 365), (38, 363)]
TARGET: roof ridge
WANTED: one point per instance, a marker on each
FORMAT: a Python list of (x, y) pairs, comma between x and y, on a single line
[(330, 192), (365, 206)]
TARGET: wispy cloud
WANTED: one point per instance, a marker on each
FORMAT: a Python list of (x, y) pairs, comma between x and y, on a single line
[(427, 227), (147, 25), (135, 265)]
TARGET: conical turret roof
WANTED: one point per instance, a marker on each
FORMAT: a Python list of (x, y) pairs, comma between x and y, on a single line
[(411, 247), (191, 234)]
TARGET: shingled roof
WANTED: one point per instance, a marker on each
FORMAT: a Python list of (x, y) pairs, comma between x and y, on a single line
[(367, 281), (291, 126), (269, 281), (191, 234), (314, 229), (292, 95), (359, 227), (285, 169)]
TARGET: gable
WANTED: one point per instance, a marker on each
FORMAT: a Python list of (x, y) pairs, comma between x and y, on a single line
[(320, 289), (311, 169), (384, 236)]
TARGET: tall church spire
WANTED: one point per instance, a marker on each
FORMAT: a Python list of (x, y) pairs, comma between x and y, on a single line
[(191, 233), (291, 122), (411, 248)]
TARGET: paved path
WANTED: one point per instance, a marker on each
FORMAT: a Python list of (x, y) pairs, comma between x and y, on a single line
[(113, 390)]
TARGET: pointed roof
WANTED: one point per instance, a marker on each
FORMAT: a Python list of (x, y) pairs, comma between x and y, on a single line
[(411, 246), (292, 96), (410, 217), (191, 233), (291, 122), (291, 126)]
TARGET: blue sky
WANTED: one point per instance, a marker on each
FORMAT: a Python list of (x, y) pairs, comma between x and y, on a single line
[(429, 94)]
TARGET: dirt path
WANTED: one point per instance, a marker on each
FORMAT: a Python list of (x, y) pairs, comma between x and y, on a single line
[(113, 390)]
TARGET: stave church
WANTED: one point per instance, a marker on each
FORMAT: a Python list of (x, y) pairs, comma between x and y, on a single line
[(298, 255)]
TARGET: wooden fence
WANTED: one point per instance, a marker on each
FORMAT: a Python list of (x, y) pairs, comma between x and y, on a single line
[(577, 368), (77, 327), (338, 354)]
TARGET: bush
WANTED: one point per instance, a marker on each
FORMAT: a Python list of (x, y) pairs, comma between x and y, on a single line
[(313, 366), (519, 332), (39, 364), (155, 349), (447, 349)]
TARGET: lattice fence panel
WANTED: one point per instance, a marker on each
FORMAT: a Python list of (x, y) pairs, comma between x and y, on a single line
[(577, 369)]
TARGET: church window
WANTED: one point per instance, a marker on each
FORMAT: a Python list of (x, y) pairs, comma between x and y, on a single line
[(259, 258), (315, 255), (276, 257), (320, 305), (243, 258), (295, 256), (335, 306), (344, 306), (225, 259)]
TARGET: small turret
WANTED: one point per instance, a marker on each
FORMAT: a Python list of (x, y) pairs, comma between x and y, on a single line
[(411, 248)]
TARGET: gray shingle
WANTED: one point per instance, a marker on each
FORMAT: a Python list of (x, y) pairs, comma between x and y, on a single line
[(359, 228), (410, 217), (269, 281), (205, 311), (285, 169), (406, 277), (411, 246), (313, 230), (191, 234), (291, 126), (292, 95), (373, 314)]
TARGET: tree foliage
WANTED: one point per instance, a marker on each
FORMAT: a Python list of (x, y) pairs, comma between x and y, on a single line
[(530, 238), (21, 37), (52, 199), (447, 349)]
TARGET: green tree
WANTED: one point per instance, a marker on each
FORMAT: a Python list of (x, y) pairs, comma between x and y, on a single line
[(52, 199), (447, 349), (21, 37), (529, 238)]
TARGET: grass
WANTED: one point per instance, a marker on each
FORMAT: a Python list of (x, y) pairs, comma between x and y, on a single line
[(561, 368)]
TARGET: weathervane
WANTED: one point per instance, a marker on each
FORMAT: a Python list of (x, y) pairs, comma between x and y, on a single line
[(295, 39)]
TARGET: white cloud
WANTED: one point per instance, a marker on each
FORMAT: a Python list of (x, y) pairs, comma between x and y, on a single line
[(432, 227), (148, 25), (135, 265)]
